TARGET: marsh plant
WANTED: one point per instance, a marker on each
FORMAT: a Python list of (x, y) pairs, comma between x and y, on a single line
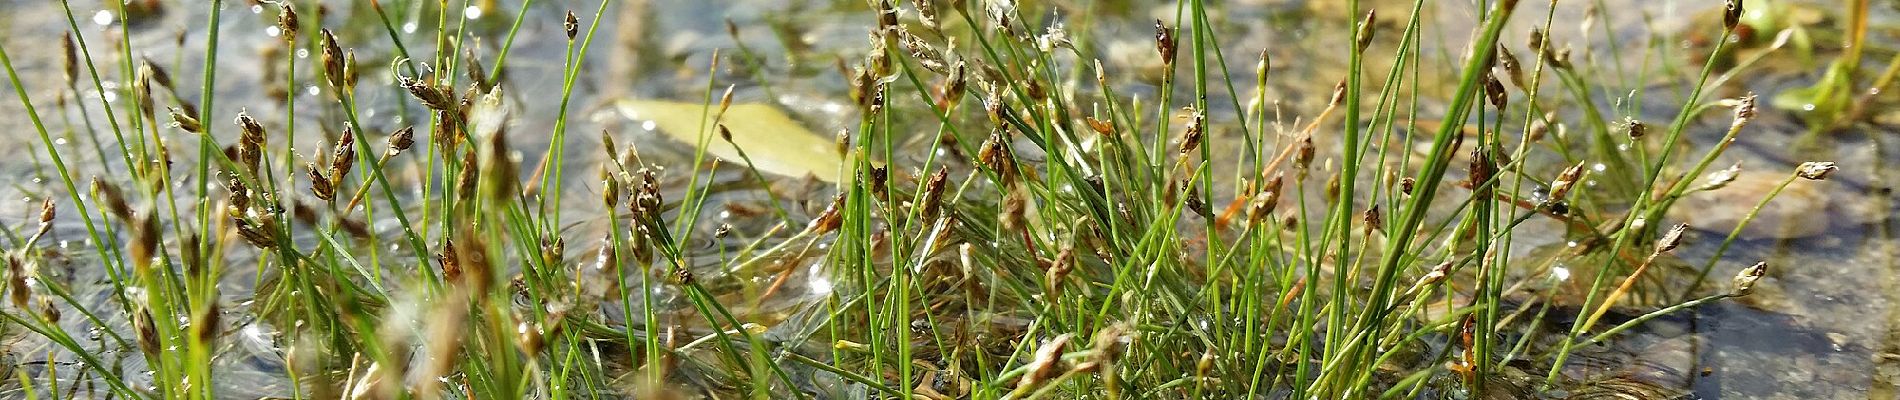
[(1002, 219)]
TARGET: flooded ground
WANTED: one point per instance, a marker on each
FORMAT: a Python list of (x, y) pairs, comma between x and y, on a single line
[(1825, 326)]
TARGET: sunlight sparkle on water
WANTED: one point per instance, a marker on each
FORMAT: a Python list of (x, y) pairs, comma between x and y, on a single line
[(103, 17), (273, 31), (409, 27), (820, 286), (472, 12)]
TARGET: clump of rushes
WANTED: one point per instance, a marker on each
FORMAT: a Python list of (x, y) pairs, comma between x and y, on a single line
[(1064, 240)]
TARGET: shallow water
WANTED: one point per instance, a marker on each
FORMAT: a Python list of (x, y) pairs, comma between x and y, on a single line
[(1826, 325)]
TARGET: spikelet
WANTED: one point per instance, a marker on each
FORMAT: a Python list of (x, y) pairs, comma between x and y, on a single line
[(17, 289), (114, 201), (185, 121), (1816, 170), (932, 201), (1744, 281), (287, 20), (571, 25), (1363, 38), (402, 140), (343, 156), (250, 142), (333, 64), (70, 62), (1264, 200), (1165, 43), (1046, 363), (1196, 132), (319, 184)]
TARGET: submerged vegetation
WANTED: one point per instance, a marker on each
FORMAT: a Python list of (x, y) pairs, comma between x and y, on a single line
[(1003, 216)]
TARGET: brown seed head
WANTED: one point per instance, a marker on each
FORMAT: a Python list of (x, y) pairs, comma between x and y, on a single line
[(343, 156), (572, 25), (610, 189), (114, 201), (1719, 179), (1263, 67), (145, 238), (1745, 280), (1265, 200), (47, 210), (1494, 91), (1744, 110), (434, 97), (927, 13), (1732, 14), (287, 20), (1481, 168), (70, 63), (319, 184), (843, 142), (447, 258), (185, 121), (1303, 155), (465, 180), (607, 143), (933, 192), (157, 73), (258, 234), (147, 332), (1164, 42), (207, 327), (1565, 182), (333, 62), (886, 15), (142, 93), (49, 310), (1196, 132), (1374, 221), (402, 139), (995, 154), (1046, 362), (829, 219), (349, 71), (1671, 239), (683, 275), (1511, 68), (1364, 36), (1015, 211), (1438, 274), (238, 199), (1339, 94), (17, 290), (1816, 170), (880, 177), (956, 84), (250, 142)]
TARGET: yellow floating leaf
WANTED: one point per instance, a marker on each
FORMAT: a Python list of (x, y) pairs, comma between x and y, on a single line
[(775, 143)]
